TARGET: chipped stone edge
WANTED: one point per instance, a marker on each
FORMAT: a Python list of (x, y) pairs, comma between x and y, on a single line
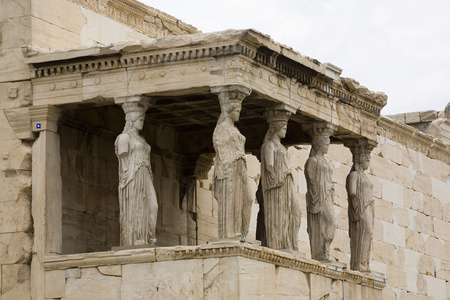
[(215, 250), (412, 138)]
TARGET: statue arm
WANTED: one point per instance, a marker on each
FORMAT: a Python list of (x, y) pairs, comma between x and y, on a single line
[(123, 150), (313, 180), (353, 201), (351, 184), (268, 169), (269, 159)]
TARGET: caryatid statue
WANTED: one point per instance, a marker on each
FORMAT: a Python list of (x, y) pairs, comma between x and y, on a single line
[(361, 210), (321, 219), (137, 196), (281, 207), (231, 187)]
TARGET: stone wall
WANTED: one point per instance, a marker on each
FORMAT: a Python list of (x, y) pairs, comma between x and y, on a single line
[(434, 123), (89, 180), (16, 230)]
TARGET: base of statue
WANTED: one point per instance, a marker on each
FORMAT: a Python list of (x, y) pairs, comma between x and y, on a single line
[(375, 273), (118, 248), (238, 239), (293, 252), (337, 265)]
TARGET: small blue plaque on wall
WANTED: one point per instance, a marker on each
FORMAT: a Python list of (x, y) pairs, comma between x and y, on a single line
[(38, 125)]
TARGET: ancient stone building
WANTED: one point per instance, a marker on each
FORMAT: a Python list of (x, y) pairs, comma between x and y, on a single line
[(62, 81)]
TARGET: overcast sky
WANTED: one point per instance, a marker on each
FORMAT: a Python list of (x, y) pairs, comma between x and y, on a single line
[(399, 47)]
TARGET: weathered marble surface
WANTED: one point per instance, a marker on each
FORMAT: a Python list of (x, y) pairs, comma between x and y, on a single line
[(231, 187), (361, 208), (281, 207), (222, 270), (320, 194), (137, 196)]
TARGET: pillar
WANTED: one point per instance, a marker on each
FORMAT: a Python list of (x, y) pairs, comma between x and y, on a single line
[(46, 192)]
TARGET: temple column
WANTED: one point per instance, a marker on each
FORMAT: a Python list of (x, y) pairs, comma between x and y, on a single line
[(46, 192), (321, 219), (231, 187), (361, 209)]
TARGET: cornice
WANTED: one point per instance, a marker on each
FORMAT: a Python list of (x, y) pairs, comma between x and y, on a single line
[(412, 138), (214, 250)]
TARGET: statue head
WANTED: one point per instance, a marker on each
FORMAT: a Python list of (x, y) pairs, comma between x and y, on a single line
[(134, 115), (361, 150), (320, 133), (230, 109), (277, 120), (320, 143)]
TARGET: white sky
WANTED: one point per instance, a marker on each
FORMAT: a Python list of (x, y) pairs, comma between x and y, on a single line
[(400, 47)]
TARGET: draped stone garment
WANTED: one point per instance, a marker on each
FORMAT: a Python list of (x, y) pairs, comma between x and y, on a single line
[(361, 221), (137, 196), (281, 208), (231, 188), (319, 204)]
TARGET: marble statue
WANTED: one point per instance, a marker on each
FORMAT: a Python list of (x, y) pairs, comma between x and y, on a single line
[(321, 219), (137, 196), (231, 188), (281, 207), (360, 207)]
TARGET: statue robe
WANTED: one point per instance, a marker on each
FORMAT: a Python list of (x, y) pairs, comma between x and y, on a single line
[(361, 221), (231, 188), (137, 196), (319, 204), (281, 208)]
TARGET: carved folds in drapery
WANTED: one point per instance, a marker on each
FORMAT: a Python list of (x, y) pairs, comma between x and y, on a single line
[(137, 196), (321, 219), (361, 209), (231, 187)]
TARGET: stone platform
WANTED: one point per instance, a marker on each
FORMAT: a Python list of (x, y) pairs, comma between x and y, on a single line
[(221, 270)]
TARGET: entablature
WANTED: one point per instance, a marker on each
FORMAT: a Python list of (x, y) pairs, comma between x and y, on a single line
[(179, 71)]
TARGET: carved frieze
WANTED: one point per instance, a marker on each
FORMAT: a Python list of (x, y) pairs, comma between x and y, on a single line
[(137, 16)]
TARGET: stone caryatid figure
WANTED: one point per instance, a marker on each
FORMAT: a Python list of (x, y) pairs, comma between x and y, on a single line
[(320, 192), (137, 196), (281, 207), (360, 206), (231, 188)]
